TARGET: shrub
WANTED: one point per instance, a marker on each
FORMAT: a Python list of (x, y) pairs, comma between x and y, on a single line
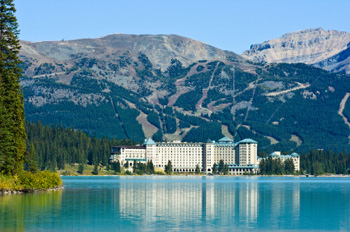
[(128, 172), (9, 183), (40, 180)]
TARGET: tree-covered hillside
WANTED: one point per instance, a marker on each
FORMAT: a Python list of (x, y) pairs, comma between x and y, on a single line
[(291, 107)]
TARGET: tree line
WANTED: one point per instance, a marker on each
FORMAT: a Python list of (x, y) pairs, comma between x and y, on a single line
[(275, 166), (53, 147), (318, 162)]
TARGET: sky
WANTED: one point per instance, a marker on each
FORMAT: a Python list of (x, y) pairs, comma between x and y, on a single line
[(226, 24)]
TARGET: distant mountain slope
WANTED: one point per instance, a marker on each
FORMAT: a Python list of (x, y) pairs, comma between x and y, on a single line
[(337, 63), (309, 46), (159, 49), (91, 85)]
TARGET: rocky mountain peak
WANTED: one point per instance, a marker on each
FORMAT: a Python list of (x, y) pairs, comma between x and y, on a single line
[(305, 46)]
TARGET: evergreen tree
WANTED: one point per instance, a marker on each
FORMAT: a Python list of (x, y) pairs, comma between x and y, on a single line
[(95, 171), (114, 166), (215, 169), (134, 167), (31, 157), (198, 170), (225, 169), (151, 166), (60, 162), (117, 167), (81, 168), (221, 166), (7, 147), (289, 166), (262, 167), (12, 133), (127, 164), (168, 168)]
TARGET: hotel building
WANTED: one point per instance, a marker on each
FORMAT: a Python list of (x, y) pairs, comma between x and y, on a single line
[(294, 156), (241, 157)]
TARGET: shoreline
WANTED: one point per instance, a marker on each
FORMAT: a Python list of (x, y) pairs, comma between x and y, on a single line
[(10, 192), (183, 175)]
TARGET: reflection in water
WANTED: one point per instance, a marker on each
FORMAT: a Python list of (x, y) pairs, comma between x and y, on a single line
[(178, 203), (16, 210)]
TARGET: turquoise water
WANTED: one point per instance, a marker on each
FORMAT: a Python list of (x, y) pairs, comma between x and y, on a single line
[(183, 204)]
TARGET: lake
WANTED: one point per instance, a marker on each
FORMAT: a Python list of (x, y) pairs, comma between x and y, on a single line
[(188, 203)]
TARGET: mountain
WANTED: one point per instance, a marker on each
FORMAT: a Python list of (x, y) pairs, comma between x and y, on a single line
[(159, 49), (148, 86), (311, 46), (338, 63)]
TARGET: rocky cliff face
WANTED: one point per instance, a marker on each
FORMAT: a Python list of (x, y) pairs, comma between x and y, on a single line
[(337, 63), (306, 46), (160, 49)]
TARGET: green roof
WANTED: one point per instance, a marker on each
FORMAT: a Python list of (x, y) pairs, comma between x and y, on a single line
[(225, 140), (247, 141), (149, 141), (274, 154)]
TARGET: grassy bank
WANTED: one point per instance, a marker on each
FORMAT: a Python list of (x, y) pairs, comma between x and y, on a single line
[(73, 170), (28, 182)]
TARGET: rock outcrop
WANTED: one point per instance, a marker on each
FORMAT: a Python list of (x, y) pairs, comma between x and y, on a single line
[(337, 63), (309, 46)]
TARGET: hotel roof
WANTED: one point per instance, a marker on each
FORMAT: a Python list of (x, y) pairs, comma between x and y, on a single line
[(149, 141), (274, 154), (225, 140), (247, 141)]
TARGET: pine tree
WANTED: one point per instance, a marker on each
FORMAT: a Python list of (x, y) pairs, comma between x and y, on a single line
[(226, 169), (215, 168), (95, 171), (31, 164), (11, 98), (117, 167), (151, 167), (289, 166), (168, 168), (7, 147), (198, 170), (262, 167), (81, 168), (134, 167), (221, 166)]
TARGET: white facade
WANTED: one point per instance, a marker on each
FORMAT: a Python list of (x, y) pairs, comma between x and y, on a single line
[(241, 157)]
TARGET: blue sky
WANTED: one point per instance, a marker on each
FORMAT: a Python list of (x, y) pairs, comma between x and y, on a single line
[(226, 24)]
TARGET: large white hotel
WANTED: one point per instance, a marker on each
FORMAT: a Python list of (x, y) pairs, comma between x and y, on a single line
[(241, 157)]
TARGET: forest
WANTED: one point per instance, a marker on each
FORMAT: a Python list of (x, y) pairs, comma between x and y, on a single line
[(318, 162), (53, 147)]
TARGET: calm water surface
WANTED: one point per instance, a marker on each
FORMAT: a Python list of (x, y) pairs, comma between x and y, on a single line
[(183, 204)]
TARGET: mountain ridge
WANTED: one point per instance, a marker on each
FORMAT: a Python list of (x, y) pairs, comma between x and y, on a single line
[(160, 49), (125, 94), (309, 46)]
